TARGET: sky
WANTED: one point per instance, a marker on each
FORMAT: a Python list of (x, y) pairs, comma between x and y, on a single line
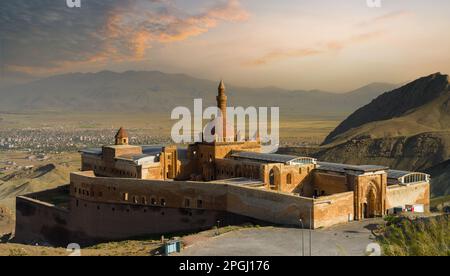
[(294, 44)]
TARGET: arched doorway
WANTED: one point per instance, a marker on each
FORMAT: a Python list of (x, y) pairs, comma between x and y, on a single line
[(370, 204), (274, 178)]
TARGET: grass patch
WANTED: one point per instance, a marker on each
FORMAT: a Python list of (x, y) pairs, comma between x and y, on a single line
[(17, 252), (416, 237)]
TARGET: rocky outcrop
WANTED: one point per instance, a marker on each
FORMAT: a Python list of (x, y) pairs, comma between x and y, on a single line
[(440, 182), (405, 129), (29, 173), (415, 153), (396, 103)]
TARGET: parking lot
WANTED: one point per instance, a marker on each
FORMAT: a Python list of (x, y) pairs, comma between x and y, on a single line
[(345, 240)]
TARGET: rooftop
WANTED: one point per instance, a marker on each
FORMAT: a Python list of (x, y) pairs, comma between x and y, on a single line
[(152, 149), (405, 177), (134, 157), (395, 174), (337, 167), (92, 151), (265, 157), (242, 181), (146, 149), (122, 146)]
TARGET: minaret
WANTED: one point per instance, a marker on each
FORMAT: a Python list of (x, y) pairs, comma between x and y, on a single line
[(222, 105)]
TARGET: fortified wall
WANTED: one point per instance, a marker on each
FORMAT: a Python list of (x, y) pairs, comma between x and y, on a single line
[(258, 203), (104, 209)]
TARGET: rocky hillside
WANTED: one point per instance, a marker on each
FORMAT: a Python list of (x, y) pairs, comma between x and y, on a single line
[(405, 129), (420, 106), (415, 153), (441, 179)]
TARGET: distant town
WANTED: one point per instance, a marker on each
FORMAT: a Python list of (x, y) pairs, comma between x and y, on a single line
[(55, 140)]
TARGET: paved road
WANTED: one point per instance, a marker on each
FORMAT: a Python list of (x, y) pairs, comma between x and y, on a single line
[(345, 240)]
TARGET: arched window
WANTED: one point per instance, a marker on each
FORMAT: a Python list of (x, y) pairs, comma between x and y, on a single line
[(272, 178), (289, 179)]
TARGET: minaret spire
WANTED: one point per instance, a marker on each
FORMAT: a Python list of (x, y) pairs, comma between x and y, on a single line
[(222, 85), (222, 105)]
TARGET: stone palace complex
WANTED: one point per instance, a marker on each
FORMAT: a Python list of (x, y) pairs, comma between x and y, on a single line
[(125, 191)]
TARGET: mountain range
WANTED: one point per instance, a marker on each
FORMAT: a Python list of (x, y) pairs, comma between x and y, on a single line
[(156, 92)]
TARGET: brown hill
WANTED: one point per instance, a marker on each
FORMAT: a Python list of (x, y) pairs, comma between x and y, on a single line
[(407, 129), (414, 153), (420, 106), (441, 179)]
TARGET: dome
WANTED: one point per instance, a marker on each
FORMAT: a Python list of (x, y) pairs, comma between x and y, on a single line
[(122, 133)]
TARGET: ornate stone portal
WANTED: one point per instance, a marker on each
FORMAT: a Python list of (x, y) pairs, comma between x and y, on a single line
[(370, 193)]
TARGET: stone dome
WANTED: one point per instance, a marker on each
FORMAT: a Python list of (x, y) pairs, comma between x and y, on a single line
[(122, 133)]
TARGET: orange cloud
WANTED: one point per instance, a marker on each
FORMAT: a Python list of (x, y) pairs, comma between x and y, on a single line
[(149, 27), (282, 54), (321, 48), (129, 32), (386, 17), (365, 37)]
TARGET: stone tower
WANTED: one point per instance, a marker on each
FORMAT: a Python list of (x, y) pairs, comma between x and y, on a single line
[(121, 137), (222, 105)]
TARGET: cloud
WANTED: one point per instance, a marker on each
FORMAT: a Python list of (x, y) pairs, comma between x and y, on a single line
[(385, 18), (46, 36), (320, 48), (355, 39), (281, 54)]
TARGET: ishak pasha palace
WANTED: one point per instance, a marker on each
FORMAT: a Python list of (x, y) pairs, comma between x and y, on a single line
[(125, 191)]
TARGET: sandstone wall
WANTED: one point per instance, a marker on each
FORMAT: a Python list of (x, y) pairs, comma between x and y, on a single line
[(329, 183), (92, 221), (274, 207), (398, 195), (170, 194), (40, 222), (335, 209), (289, 178), (278, 208)]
